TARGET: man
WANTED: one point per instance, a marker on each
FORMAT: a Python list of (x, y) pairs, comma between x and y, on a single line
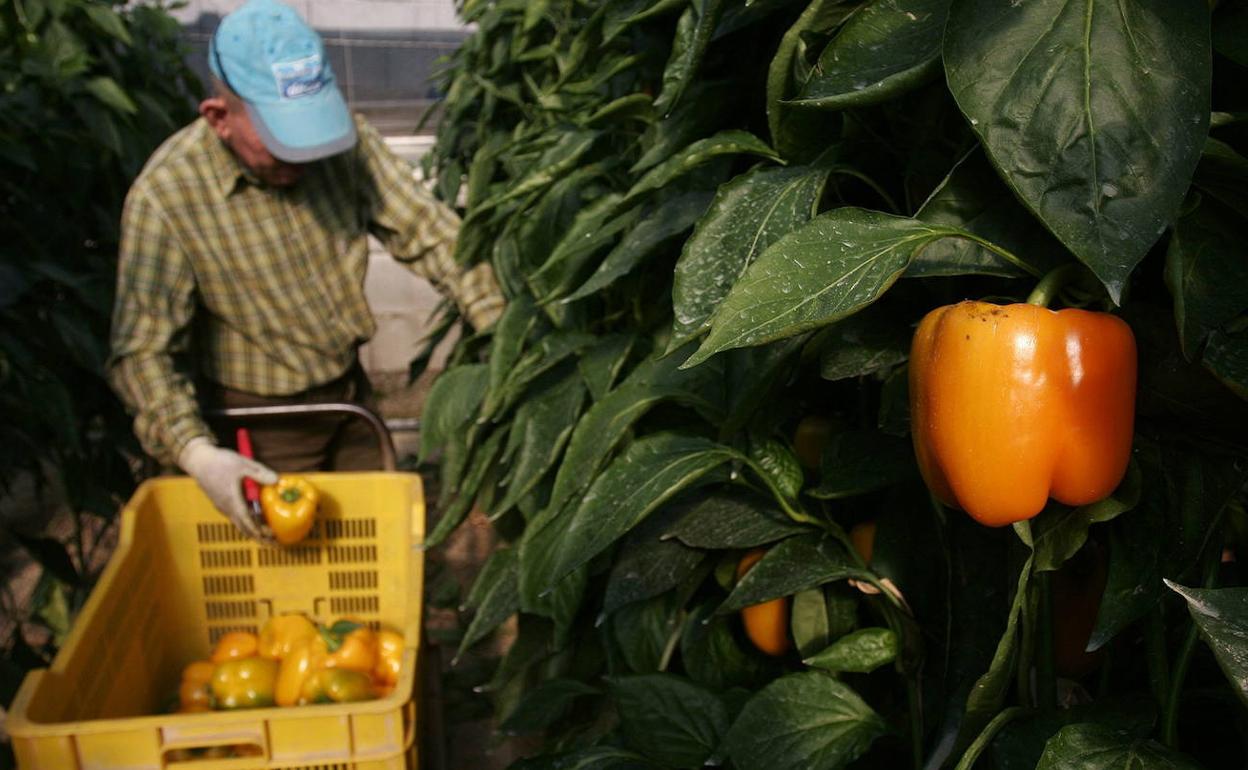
[(243, 254)]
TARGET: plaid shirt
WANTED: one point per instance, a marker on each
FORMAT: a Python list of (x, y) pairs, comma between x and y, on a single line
[(264, 284)]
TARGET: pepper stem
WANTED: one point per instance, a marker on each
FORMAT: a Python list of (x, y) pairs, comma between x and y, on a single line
[(1051, 283), (291, 494)]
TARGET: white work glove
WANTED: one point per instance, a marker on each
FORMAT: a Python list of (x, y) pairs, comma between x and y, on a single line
[(220, 473)]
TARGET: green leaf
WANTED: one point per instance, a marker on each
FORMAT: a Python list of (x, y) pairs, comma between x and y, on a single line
[(700, 152), (857, 462), (711, 655), (780, 465), (792, 130), (669, 719), (108, 21), (794, 565), (544, 705), (646, 474), (637, 106), (510, 333), (832, 267), (601, 364), (748, 214), (1227, 357), (1097, 747), (865, 343), (540, 430), (606, 422), (667, 220), (1221, 614), (640, 634), (451, 405), (1206, 272), (593, 758), (693, 34), (886, 48), (698, 114), (466, 490), (809, 623), (596, 227), (555, 163), (803, 720), (862, 651), (494, 595), (647, 565), (107, 91), (974, 198), (1060, 531), (1223, 174), (1094, 113), (732, 520)]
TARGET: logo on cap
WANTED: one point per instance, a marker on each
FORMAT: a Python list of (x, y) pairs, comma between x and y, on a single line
[(300, 77)]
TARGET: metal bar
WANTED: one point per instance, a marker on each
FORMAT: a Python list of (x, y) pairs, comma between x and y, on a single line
[(384, 443)]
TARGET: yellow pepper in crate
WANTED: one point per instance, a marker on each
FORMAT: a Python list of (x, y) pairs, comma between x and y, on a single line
[(305, 660), (195, 691), (235, 645), (246, 683), (283, 633), (289, 508), (351, 646), (389, 658), (336, 685)]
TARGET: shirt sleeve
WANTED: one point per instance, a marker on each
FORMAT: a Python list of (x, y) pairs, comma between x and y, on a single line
[(420, 231), (151, 318)]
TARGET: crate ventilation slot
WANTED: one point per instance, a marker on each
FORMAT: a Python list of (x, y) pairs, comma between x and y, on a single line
[(345, 529), (233, 558), (353, 580), (352, 554), (216, 585), (230, 610), (222, 532), (348, 605), (289, 557)]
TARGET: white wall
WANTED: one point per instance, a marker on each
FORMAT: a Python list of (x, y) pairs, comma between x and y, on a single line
[(347, 14)]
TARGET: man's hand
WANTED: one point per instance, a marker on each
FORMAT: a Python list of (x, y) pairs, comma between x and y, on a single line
[(220, 473)]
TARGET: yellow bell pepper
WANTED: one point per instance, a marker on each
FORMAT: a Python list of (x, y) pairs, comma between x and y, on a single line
[(351, 646), (336, 685), (283, 633), (246, 683), (296, 667), (289, 508), (389, 658)]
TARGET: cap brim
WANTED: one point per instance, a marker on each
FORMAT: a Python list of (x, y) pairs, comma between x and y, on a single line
[(305, 129)]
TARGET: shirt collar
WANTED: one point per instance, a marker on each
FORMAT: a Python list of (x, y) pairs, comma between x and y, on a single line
[(226, 166)]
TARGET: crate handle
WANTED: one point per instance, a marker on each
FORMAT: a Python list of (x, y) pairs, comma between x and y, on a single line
[(175, 739), (409, 723)]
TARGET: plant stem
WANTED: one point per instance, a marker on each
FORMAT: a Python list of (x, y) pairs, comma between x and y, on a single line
[(1170, 717), (1046, 674), (1158, 662), (1051, 283), (986, 735)]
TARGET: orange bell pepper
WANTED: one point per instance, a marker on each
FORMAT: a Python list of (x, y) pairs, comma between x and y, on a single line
[(283, 633), (235, 645), (289, 508), (1013, 404), (244, 683), (195, 691), (766, 624), (336, 685)]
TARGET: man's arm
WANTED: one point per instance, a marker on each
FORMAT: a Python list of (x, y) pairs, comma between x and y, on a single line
[(151, 316), (420, 231)]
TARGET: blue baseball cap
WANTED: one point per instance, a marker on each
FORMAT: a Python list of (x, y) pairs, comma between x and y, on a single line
[(264, 52)]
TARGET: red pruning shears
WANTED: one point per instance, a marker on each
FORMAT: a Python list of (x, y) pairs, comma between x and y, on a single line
[(251, 489)]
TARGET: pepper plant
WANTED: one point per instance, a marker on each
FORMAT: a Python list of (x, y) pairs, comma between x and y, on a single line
[(88, 88), (718, 225)]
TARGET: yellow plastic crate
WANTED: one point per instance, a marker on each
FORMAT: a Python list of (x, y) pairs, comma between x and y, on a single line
[(181, 577)]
